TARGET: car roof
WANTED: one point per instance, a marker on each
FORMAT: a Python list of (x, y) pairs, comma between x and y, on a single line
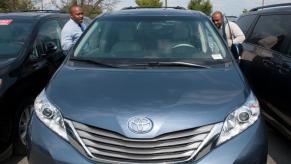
[(154, 12), (271, 9), (30, 15)]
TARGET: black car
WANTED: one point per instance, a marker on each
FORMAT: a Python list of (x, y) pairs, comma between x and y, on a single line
[(266, 60), (231, 18), (30, 52)]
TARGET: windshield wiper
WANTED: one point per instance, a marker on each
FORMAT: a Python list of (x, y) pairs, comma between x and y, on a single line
[(91, 61), (177, 63)]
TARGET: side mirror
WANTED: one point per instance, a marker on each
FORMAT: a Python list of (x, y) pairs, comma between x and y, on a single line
[(51, 47), (54, 54), (236, 50)]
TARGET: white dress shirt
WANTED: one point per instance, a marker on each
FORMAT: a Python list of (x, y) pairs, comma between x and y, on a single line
[(71, 33), (235, 35)]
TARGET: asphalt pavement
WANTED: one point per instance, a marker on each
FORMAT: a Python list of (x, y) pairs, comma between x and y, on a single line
[(279, 147), (279, 150)]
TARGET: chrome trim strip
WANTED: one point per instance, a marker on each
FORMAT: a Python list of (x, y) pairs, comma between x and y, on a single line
[(137, 151), (168, 136), (164, 156), (215, 131), (110, 156), (143, 144), (79, 139)]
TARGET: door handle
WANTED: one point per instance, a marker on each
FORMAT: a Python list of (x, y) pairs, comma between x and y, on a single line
[(37, 65), (268, 63), (283, 68)]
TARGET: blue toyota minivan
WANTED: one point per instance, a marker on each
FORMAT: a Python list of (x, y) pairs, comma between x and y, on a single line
[(148, 86)]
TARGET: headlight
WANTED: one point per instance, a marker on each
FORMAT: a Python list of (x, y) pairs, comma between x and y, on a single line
[(50, 115), (239, 120)]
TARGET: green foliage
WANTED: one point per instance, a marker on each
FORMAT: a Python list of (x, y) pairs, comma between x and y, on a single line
[(91, 8), (15, 5), (149, 3), (245, 11), (201, 5), (3, 6), (91, 11)]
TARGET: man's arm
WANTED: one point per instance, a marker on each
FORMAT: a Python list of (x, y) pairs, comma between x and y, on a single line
[(66, 39), (239, 36)]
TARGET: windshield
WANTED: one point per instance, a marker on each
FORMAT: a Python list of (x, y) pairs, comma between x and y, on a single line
[(152, 38), (13, 35)]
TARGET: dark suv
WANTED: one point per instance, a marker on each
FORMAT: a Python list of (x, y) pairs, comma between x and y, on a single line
[(266, 60), (30, 52)]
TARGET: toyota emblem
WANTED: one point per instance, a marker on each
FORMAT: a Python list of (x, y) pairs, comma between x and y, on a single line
[(140, 125)]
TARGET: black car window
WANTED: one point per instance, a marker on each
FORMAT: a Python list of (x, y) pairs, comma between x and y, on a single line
[(13, 34), (245, 22), (49, 31), (272, 32), (63, 21), (37, 51)]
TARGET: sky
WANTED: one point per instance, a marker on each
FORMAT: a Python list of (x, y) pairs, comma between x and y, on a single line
[(228, 7)]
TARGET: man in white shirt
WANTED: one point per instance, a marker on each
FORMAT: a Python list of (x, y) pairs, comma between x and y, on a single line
[(73, 29), (230, 31)]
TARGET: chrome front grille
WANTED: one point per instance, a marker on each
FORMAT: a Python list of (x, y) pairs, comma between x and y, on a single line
[(107, 146)]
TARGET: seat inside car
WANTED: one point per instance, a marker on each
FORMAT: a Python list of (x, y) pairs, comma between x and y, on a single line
[(182, 42), (126, 41)]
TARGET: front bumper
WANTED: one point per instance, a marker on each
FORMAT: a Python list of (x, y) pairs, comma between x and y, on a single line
[(44, 146)]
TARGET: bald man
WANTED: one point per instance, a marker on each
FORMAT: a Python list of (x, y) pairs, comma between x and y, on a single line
[(73, 29), (230, 31)]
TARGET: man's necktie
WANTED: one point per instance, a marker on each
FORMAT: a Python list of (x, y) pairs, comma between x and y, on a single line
[(81, 27)]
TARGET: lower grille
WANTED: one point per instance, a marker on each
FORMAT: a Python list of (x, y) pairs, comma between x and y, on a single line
[(111, 147)]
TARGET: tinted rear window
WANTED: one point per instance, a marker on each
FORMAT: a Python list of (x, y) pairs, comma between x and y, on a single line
[(245, 22), (272, 32), (13, 34)]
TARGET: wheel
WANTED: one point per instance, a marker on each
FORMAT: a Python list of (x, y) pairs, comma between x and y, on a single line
[(22, 120), (182, 45), (184, 50), (6, 153)]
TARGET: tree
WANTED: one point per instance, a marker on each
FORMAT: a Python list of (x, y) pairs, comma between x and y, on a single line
[(91, 8), (149, 3), (245, 11), (3, 6), (201, 5), (16, 5)]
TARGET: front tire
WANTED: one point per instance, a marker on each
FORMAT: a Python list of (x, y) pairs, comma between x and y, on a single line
[(24, 113)]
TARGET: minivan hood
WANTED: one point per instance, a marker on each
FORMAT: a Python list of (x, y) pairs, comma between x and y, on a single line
[(174, 99)]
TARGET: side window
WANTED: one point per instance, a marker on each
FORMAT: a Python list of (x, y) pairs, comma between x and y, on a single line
[(245, 22), (63, 21), (272, 32), (37, 51), (50, 31)]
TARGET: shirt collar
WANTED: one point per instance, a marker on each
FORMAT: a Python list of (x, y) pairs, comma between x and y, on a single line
[(75, 22)]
